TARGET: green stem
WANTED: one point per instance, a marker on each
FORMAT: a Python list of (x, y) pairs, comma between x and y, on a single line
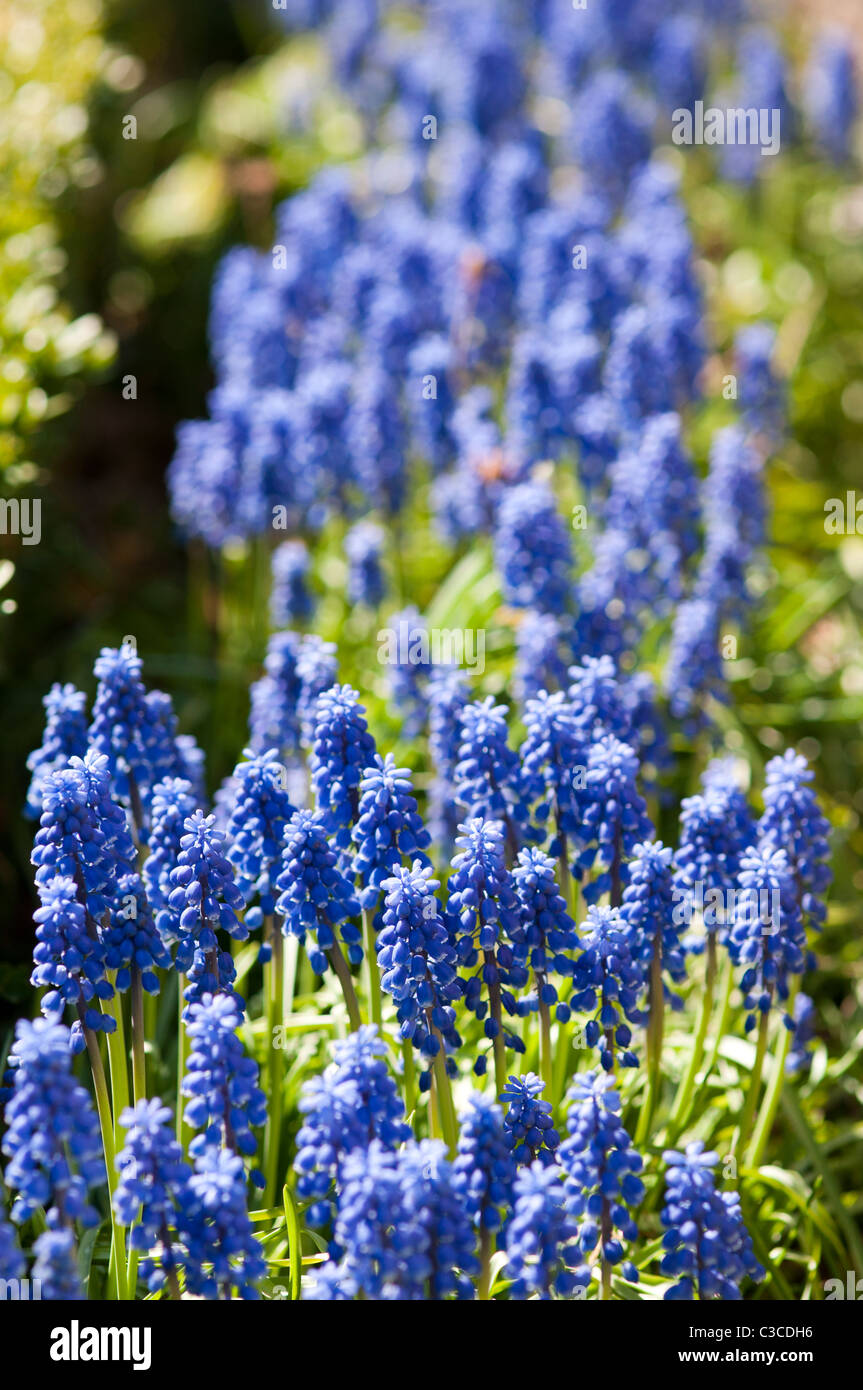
[(117, 1055), (682, 1103), (754, 1087), (275, 1010), (484, 1282), (545, 1060), (103, 1107), (773, 1094), (373, 974), (139, 1054), (449, 1124), (410, 1084), (340, 966), (655, 1029), (182, 1053)]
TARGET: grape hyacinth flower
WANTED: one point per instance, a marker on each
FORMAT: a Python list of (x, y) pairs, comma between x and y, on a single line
[(648, 910), (532, 550), (12, 1263), (489, 780), (316, 897), (708, 1249), (316, 669), (418, 968), (447, 696), (482, 897), (364, 545), (130, 731), (65, 737), (598, 700), (545, 939), (173, 802), (433, 1200), (222, 1254), (204, 899), (528, 1127), (608, 981), (256, 830), (484, 1169), (274, 718), (290, 600), (543, 646), (553, 750), (342, 747), (405, 650), (602, 1182), (351, 1103), (52, 1137), (793, 821), (804, 1018), (767, 936), (55, 1268), (613, 817), (830, 94), (69, 961), (382, 1246), (225, 1101), (387, 829), (538, 1236), (152, 1187), (716, 826)]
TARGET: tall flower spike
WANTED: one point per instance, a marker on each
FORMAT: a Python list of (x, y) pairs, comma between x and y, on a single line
[(222, 1254), (153, 1180), (406, 654), (52, 1137), (481, 895), (447, 697), (552, 752), (69, 961), (614, 817), (55, 1267), (793, 821), (708, 1250), (317, 669), (314, 896), (601, 1168), (204, 899), (484, 1169), (528, 1127), (352, 1102), (225, 1101), (12, 1264), (274, 720), (538, 1236), (608, 981), (382, 1245), (597, 700), (173, 802), (767, 935), (716, 826), (418, 961), (532, 550), (545, 935), (433, 1199), (65, 737), (388, 827), (364, 545), (256, 831), (543, 642), (137, 737), (648, 910), (290, 600), (488, 778), (341, 748)]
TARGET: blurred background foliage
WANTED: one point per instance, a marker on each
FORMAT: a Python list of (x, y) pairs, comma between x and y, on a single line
[(125, 232)]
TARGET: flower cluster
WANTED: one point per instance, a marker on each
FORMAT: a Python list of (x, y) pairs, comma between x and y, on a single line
[(708, 1251)]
